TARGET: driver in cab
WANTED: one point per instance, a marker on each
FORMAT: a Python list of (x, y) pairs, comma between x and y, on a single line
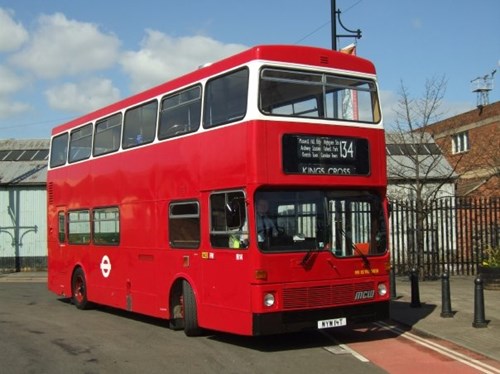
[(266, 228)]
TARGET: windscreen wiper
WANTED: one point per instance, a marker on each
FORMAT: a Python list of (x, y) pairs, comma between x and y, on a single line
[(318, 248), (309, 254), (363, 256)]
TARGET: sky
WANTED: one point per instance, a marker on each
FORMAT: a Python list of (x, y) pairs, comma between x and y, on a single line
[(60, 59)]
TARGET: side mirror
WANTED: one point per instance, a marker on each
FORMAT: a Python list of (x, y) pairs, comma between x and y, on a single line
[(389, 209)]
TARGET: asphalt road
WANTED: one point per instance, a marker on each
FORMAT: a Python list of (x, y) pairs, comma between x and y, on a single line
[(40, 333)]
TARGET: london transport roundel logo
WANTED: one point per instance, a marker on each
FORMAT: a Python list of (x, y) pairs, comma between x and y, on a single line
[(105, 266)]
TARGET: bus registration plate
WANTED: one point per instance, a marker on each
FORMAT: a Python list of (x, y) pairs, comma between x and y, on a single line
[(329, 323)]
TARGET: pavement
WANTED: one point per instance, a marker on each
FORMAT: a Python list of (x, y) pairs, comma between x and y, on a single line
[(24, 277), (458, 329), (426, 319)]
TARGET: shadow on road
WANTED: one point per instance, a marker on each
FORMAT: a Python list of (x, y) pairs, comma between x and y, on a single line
[(299, 340), (402, 312)]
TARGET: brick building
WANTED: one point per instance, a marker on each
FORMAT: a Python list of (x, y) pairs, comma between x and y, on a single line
[(471, 143)]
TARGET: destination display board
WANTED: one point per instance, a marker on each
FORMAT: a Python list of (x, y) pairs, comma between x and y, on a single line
[(328, 155)]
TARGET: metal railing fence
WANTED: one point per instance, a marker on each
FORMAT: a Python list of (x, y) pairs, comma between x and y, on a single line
[(444, 235)]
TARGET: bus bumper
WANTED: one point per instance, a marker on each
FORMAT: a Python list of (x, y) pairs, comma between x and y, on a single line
[(294, 321)]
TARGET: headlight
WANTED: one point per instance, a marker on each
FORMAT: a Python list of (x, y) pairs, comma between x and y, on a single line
[(268, 299), (382, 289)]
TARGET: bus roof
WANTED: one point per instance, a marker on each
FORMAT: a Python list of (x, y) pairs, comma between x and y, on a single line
[(302, 55)]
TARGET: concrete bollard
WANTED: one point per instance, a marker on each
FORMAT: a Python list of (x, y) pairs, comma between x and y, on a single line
[(415, 293), (446, 311), (479, 318)]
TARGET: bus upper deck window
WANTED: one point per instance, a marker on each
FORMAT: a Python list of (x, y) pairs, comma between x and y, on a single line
[(59, 150), (226, 99), (295, 93)]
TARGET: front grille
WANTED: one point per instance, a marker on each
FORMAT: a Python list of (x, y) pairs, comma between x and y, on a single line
[(323, 296)]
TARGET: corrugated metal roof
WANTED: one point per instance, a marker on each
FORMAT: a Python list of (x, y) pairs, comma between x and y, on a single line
[(401, 164), (9, 144), (429, 167), (23, 162)]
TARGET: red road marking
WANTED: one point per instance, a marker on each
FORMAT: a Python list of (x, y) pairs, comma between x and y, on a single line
[(399, 351)]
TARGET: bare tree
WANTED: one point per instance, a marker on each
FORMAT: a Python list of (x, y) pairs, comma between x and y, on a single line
[(417, 169), (419, 164)]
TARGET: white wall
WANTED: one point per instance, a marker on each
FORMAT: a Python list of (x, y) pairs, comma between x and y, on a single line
[(23, 207)]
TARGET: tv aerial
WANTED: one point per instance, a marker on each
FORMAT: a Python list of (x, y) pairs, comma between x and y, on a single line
[(482, 87)]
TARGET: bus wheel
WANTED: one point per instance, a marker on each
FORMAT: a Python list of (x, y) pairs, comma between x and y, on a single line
[(177, 307), (191, 327), (79, 289)]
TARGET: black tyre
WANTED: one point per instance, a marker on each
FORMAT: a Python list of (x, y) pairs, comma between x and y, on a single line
[(191, 327), (177, 307), (79, 290)]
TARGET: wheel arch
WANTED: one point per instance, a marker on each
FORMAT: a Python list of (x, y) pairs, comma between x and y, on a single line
[(175, 291)]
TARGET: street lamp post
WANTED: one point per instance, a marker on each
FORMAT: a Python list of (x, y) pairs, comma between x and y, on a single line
[(335, 14)]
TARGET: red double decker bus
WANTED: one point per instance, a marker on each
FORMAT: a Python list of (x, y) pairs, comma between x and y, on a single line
[(248, 196)]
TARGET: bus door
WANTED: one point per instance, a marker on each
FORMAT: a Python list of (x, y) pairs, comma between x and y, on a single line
[(226, 292), (138, 260), (105, 260), (59, 261)]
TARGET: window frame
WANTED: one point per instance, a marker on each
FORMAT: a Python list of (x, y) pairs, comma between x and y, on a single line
[(96, 235), (85, 136), (193, 237), (107, 130), (163, 112), (223, 238), (139, 141), (85, 236), (62, 215), (460, 142), (208, 101), (55, 147), (321, 86)]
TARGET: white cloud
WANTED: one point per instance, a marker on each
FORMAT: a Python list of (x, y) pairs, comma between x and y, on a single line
[(82, 97), (12, 35), (60, 46), (390, 102), (10, 81), (11, 108), (163, 57)]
